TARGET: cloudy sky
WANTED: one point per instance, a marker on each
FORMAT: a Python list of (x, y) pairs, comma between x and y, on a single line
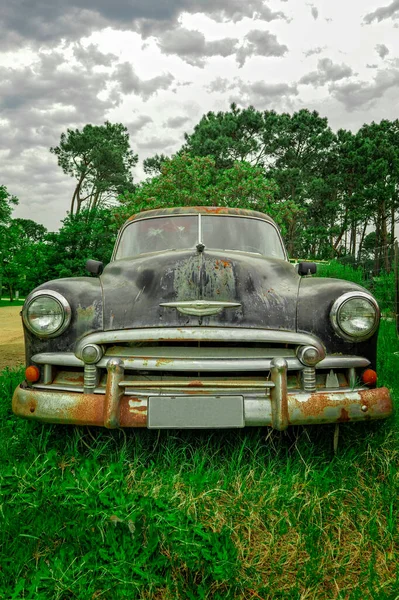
[(158, 65)]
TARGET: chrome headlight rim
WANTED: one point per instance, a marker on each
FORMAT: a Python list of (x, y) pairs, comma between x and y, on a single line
[(62, 301), (337, 307)]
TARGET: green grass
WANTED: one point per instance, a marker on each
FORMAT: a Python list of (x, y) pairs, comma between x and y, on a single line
[(9, 303), (382, 287), (88, 513)]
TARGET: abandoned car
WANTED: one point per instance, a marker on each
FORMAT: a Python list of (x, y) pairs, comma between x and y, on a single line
[(200, 321)]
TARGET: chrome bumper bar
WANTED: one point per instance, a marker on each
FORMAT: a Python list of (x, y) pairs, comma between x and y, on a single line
[(280, 409)]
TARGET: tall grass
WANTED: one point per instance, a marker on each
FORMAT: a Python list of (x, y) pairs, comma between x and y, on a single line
[(382, 287), (87, 513)]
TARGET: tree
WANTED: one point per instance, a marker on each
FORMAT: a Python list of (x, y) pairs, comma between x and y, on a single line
[(23, 261), (193, 181), (152, 166), (90, 234), (7, 202), (229, 137), (295, 151), (100, 159)]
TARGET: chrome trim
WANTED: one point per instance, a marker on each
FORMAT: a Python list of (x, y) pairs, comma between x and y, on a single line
[(64, 305), (68, 359), (98, 350), (216, 334), (58, 359), (301, 356), (332, 361), (90, 380), (199, 229), (166, 384), (309, 379), (337, 306), (200, 307), (278, 395), (279, 411), (113, 393)]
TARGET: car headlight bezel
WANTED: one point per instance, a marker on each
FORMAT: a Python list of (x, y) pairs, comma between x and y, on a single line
[(61, 301), (337, 307)]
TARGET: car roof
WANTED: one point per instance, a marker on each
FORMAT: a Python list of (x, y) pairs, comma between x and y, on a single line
[(203, 210)]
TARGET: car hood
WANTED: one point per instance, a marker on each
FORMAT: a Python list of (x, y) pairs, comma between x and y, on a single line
[(257, 291)]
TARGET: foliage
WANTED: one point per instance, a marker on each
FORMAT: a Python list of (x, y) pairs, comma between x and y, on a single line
[(7, 238), (24, 256), (91, 513), (294, 151), (381, 286), (90, 234), (7, 202), (338, 186), (100, 158), (153, 165), (193, 181)]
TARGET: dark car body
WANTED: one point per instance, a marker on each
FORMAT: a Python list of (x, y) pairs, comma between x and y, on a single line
[(200, 320)]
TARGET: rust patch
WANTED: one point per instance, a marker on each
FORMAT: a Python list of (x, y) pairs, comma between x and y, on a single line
[(195, 383), (85, 313), (344, 416), (217, 210), (224, 263), (71, 377), (163, 361), (138, 409)]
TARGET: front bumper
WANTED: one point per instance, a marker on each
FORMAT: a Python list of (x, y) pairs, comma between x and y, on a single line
[(279, 409)]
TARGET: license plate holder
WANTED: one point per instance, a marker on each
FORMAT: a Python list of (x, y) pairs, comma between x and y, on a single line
[(195, 412)]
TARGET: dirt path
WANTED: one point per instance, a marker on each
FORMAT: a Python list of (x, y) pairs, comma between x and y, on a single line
[(12, 351)]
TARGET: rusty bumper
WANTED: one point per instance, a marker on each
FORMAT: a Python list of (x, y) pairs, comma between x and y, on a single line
[(279, 410)]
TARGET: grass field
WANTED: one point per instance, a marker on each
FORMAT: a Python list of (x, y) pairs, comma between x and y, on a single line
[(9, 303), (89, 513)]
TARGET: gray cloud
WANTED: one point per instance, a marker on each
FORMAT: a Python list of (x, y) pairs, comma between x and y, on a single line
[(315, 12), (45, 22), (371, 66), (51, 84), (382, 50), (192, 47), (129, 82), (221, 84), (326, 71), (176, 122), (91, 56), (260, 43), (264, 95), (159, 144), (137, 124), (384, 12), (359, 94), (313, 51)]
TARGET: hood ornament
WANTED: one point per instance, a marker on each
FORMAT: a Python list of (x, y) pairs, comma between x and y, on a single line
[(200, 308)]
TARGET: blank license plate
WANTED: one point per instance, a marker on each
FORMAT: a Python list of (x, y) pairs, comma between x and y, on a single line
[(195, 412)]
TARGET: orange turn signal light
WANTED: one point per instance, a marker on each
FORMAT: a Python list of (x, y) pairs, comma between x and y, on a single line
[(32, 374), (369, 377)]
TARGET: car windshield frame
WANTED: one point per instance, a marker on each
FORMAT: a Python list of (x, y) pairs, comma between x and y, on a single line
[(199, 238)]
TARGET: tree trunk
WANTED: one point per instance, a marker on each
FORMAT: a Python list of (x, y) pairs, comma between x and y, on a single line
[(384, 237), (359, 252), (377, 246)]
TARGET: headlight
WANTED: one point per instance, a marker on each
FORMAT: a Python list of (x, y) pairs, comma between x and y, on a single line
[(46, 313), (355, 316)]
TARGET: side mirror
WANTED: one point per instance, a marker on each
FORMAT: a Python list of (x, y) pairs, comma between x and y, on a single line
[(307, 268), (95, 267)]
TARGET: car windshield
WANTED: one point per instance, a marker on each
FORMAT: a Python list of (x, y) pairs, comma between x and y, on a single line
[(214, 231)]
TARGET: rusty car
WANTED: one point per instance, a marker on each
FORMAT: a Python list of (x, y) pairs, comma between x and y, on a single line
[(200, 321)]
